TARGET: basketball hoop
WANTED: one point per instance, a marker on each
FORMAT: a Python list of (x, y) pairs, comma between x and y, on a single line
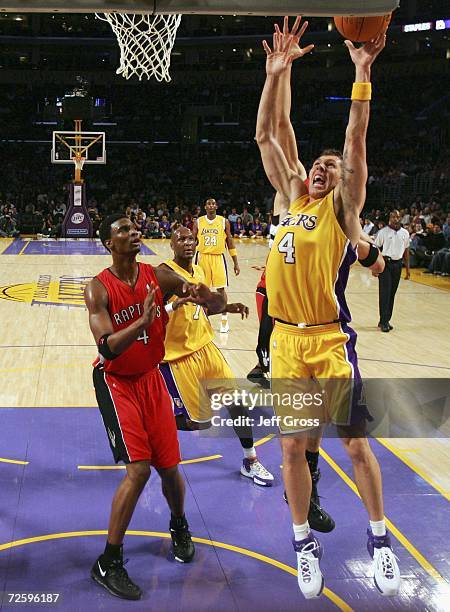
[(145, 43), (78, 160)]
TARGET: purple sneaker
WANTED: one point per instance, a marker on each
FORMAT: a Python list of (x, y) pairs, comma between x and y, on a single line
[(310, 580), (386, 573)]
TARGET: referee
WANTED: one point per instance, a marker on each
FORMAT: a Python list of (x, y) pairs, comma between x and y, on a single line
[(393, 240)]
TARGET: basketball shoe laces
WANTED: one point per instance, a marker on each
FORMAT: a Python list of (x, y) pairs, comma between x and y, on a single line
[(259, 469), (385, 562), (118, 570), (182, 535), (305, 557)]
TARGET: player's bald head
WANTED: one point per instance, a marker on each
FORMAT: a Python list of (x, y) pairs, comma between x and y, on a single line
[(180, 231)]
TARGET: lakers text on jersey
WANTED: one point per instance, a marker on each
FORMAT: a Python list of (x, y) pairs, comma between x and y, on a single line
[(308, 265)]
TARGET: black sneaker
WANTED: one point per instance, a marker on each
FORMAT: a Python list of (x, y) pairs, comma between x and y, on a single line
[(114, 578), (182, 544), (257, 377), (381, 325), (318, 518)]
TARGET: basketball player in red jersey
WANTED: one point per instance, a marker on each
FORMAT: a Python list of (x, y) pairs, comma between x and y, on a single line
[(127, 319)]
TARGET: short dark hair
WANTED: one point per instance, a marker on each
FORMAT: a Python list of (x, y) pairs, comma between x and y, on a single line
[(104, 231), (333, 152)]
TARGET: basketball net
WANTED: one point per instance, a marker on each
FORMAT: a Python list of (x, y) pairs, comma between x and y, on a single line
[(145, 43), (79, 163)]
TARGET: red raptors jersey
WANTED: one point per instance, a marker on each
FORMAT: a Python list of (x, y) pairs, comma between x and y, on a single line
[(125, 305)]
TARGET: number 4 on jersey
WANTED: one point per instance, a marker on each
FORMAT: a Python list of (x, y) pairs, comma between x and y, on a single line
[(286, 246), (144, 337)]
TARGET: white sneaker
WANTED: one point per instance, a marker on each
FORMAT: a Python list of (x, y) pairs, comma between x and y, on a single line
[(310, 580), (385, 568), (224, 327), (257, 472)]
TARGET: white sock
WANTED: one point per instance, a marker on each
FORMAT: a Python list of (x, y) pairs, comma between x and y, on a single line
[(378, 527), (249, 453), (224, 318), (301, 531)]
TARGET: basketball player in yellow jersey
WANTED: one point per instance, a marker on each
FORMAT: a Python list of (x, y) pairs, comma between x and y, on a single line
[(213, 236), (193, 367), (307, 272)]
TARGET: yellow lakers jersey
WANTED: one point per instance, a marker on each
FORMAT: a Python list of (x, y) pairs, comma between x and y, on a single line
[(188, 329), (211, 235), (308, 265)]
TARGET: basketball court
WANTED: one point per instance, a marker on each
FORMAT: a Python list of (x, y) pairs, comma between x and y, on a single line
[(58, 478), (56, 472)]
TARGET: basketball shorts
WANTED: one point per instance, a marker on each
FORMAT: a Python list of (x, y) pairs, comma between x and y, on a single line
[(215, 269), (315, 377), (192, 380), (138, 417)]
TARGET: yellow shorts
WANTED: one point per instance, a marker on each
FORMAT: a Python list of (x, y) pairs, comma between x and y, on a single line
[(215, 269), (315, 377), (192, 380)]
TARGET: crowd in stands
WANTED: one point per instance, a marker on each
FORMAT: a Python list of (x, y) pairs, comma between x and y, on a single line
[(427, 220)]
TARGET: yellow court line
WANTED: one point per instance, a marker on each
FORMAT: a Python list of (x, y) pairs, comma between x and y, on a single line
[(8, 242), (264, 440), (123, 467), (200, 459), (27, 243), (421, 560), (16, 461), (414, 467), (339, 603)]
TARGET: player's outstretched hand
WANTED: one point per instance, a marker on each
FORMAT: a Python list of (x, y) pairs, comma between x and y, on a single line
[(295, 50), (237, 269), (197, 294), (279, 59), (238, 308), (365, 55), (149, 308)]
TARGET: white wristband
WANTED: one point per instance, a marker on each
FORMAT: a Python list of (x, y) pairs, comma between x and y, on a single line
[(169, 307)]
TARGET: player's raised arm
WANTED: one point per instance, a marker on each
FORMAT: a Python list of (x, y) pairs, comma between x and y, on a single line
[(172, 284), (111, 344), (350, 193), (283, 178), (284, 131), (231, 247)]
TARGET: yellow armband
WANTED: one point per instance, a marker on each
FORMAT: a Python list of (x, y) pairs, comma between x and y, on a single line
[(232, 252), (362, 91)]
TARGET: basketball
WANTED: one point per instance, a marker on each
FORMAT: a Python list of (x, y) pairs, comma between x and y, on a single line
[(362, 29)]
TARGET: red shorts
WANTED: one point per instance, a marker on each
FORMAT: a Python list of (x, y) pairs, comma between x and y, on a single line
[(138, 416)]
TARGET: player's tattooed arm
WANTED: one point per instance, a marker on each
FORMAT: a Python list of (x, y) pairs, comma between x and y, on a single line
[(96, 299)]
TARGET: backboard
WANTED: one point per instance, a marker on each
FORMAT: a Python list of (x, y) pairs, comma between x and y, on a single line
[(310, 8), (90, 145)]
